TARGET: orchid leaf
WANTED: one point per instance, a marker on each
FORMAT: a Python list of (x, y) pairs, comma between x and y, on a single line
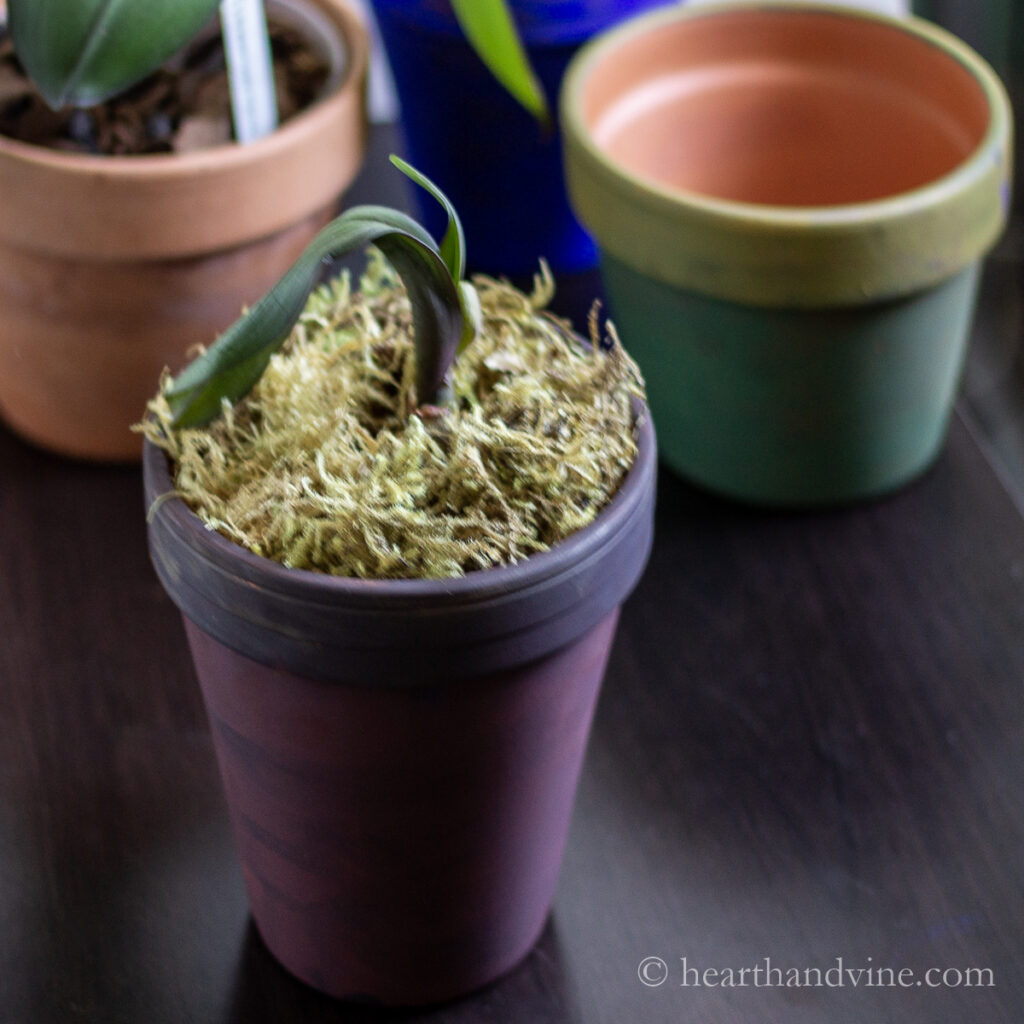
[(492, 33), (453, 245), (436, 313), (233, 364), (453, 252), (83, 51)]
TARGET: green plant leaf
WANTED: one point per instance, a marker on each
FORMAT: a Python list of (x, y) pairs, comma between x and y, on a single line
[(436, 313), (492, 33), (233, 364), (83, 51), (453, 245), (453, 252)]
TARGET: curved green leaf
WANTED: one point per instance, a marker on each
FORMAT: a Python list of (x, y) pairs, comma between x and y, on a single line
[(489, 27), (453, 252), (436, 312), (453, 245), (83, 51), (233, 364)]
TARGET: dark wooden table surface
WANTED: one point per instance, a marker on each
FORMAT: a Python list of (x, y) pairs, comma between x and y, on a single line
[(810, 746)]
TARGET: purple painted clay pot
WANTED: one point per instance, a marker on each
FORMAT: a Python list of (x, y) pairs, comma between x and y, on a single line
[(400, 757)]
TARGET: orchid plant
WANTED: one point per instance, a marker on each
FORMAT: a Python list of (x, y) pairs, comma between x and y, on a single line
[(82, 52), (446, 309), (491, 31)]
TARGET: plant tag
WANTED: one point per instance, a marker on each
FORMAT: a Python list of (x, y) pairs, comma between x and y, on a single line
[(247, 48)]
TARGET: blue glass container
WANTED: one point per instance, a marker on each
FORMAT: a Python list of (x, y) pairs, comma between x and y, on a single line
[(501, 169)]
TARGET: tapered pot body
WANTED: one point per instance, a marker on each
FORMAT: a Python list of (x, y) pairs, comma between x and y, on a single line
[(501, 168), (400, 758), (112, 268), (791, 204)]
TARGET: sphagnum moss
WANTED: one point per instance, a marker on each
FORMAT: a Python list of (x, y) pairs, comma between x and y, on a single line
[(325, 465)]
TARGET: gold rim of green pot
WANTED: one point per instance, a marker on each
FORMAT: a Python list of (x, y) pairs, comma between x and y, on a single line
[(789, 256)]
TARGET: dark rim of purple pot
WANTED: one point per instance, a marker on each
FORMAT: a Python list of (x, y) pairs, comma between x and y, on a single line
[(403, 633)]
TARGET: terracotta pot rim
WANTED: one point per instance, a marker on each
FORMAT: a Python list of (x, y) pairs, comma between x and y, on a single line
[(973, 186), (975, 166), (172, 165), (172, 206), (167, 166)]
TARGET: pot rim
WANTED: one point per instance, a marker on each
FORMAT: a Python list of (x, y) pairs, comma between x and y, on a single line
[(983, 174), (149, 188), (953, 181), (403, 632), (172, 165)]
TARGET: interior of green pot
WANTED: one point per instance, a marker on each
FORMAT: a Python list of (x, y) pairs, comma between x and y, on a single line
[(783, 107)]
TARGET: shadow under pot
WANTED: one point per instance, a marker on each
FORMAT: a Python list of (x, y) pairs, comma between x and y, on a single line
[(400, 757), (791, 205)]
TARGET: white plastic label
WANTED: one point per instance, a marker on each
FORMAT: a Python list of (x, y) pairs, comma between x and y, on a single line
[(247, 47)]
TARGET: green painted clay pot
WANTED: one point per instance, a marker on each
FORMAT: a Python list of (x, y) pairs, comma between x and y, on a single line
[(791, 204)]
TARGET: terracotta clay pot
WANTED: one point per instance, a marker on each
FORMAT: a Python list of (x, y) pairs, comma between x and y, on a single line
[(400, 757), (791, 203), (112, 268)]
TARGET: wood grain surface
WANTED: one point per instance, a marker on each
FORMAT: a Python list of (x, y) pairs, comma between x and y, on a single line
[(808, 747)]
